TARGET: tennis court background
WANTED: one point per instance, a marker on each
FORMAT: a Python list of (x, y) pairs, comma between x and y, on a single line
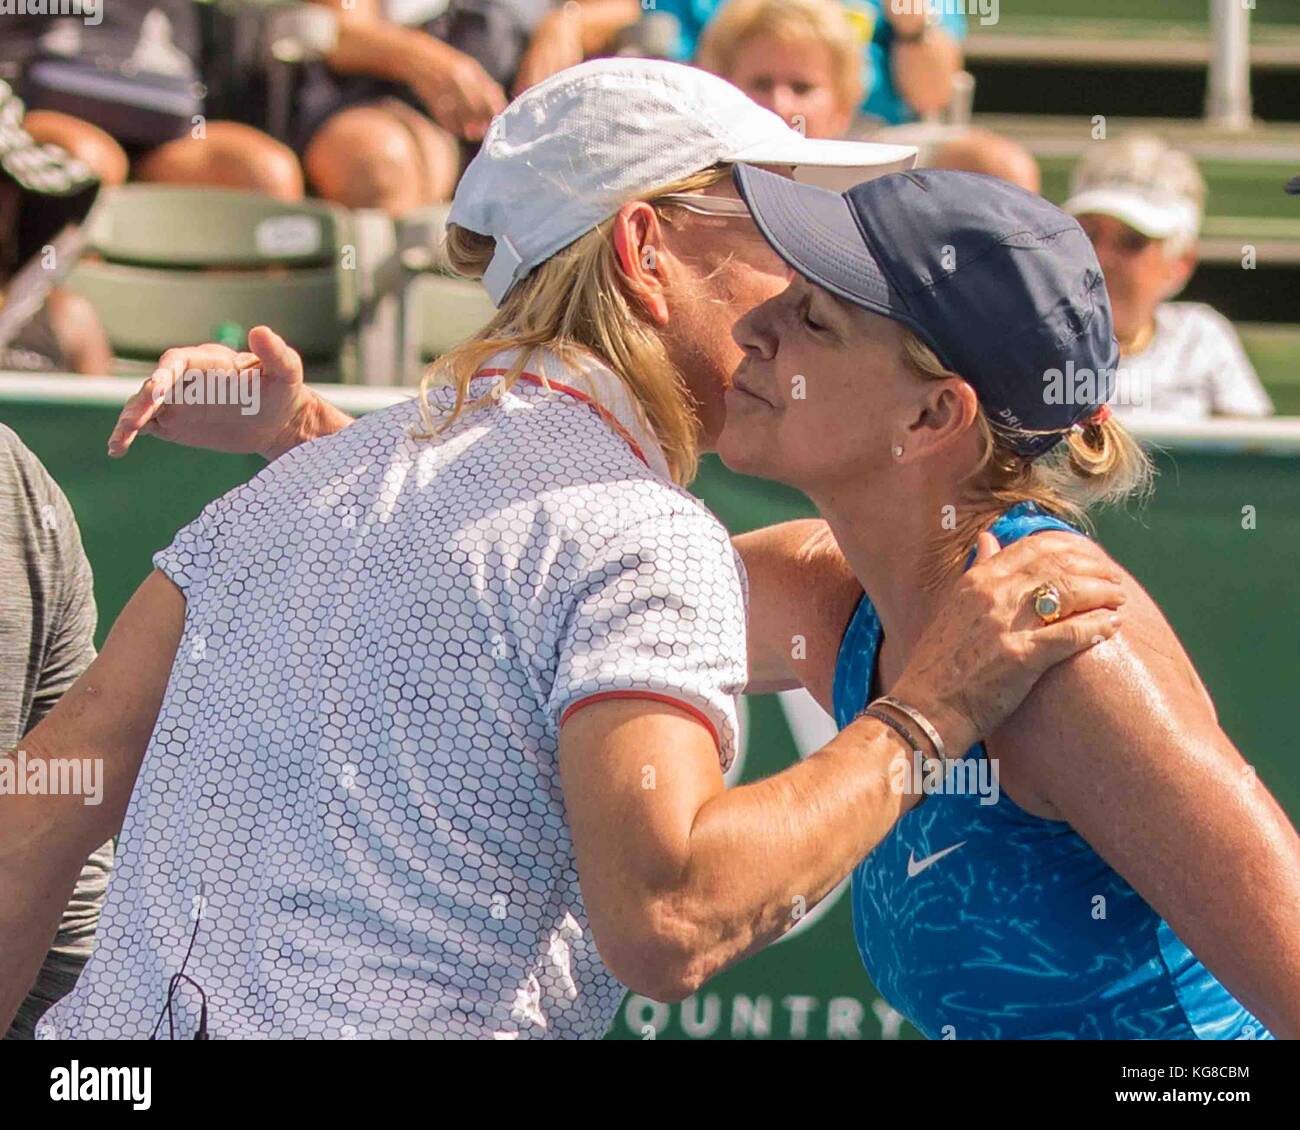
[(1230, 591)]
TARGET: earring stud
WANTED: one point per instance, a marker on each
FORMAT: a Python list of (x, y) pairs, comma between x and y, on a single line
[(898, 451)]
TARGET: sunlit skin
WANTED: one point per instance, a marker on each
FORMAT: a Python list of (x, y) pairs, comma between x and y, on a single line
[(704, 273), (1138, 271), (820, 401), (793, 78), (814, 414)]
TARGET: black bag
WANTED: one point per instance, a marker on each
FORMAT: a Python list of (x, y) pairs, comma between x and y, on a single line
[(135, 76)]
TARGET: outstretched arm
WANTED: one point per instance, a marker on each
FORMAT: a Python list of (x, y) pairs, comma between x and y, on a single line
[(456, 90), (286, 412), (108, 717), (1122, 741)]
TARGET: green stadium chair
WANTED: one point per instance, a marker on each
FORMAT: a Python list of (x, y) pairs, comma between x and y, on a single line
[(447, 311), (175, 263)]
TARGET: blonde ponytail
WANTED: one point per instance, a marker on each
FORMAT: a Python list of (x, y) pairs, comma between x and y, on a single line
[(1105, 464)]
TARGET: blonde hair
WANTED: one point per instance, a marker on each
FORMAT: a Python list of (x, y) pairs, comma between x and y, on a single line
[(808, 21), (572, 302), (1092, 466)]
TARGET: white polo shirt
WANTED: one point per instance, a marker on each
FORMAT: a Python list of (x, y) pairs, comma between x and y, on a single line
[(351, 801), (1193, 368)]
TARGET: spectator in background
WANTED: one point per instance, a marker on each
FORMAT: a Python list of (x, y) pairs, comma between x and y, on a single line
[(913, 51), (123, 95), (802, 60), (798, 58), (43, 328), (983, 151), (909, 51), (47, 639), (1141, 201), (397, 109)]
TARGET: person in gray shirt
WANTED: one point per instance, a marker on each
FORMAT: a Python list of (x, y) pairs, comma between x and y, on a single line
[(47, 638)]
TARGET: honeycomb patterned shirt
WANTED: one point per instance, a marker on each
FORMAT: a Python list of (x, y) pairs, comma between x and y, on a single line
[(349, 821)]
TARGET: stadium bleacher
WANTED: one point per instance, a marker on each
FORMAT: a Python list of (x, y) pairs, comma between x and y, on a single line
[(1150, 33), (394, 306), (172, 264)]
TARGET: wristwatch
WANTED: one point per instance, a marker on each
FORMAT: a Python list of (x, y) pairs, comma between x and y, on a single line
[(932, 20)]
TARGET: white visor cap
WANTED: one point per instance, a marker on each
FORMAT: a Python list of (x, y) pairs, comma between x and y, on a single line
[(570, 151)]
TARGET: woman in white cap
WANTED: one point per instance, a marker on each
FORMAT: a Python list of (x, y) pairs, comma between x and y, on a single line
[(412, 685), (1140, 201)]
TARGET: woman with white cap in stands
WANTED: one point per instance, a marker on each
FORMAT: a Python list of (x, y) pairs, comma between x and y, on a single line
[(438, 707), (1141, 201)]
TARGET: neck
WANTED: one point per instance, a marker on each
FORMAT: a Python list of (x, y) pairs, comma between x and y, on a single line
[(889, 538), (1139, 339)]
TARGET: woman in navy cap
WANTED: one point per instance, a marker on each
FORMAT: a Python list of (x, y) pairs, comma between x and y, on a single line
[(1106, 865)]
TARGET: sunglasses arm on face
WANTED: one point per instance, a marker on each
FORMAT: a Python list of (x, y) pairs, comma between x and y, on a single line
[(705, 205)]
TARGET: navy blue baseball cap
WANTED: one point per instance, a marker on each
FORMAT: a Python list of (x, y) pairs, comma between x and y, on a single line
[(1002, 285)]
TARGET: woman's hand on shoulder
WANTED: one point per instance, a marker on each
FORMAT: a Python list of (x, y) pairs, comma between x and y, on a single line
[(985, 648)]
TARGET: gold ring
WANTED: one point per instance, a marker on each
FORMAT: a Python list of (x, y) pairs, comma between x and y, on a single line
[(1047, 603)]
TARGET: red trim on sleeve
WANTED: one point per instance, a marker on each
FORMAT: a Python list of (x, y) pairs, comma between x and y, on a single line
[(600, 410), (603, 696)]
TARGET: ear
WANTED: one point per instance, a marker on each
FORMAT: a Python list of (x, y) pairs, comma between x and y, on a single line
[(639, 248), (1179, 272), (945, 414)]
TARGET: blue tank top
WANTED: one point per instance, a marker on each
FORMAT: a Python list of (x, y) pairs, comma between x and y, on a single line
[(978, 920)]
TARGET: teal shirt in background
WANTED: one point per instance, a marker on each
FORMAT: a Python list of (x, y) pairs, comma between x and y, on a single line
[(882, 100)]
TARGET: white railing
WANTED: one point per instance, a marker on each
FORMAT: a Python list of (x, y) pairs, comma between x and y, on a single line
[(1278, 435), (1227, 92)]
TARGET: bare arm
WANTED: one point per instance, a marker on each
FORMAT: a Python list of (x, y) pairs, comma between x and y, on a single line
[(108, 715), (367, 42), (456, 91), (801, 596), (288, 413), (923, 70), (1158, 789), (682, 877), (604, 19), (79, 331)]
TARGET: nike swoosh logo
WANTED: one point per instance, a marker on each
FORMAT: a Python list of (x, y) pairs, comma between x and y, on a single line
[(916, 866)]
